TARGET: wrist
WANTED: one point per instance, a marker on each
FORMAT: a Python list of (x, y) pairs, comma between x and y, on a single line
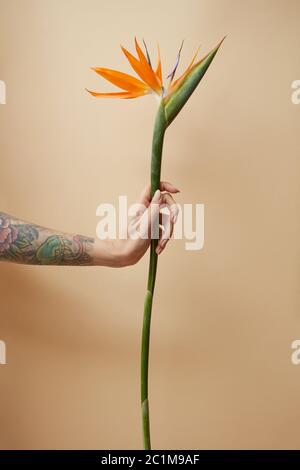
[(111, 253)]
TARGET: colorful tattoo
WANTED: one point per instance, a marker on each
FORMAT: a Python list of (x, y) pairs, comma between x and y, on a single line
[(31, 244)]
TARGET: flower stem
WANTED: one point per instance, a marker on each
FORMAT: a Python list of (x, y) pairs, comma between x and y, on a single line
[(157, 146)]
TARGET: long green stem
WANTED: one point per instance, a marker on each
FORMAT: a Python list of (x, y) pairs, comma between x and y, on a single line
[(157, 146), (167, 112)]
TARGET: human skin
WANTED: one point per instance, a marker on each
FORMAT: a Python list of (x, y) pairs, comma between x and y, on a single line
[(26, 243)]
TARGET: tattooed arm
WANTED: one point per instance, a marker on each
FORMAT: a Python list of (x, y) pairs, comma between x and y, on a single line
[(26, 243)]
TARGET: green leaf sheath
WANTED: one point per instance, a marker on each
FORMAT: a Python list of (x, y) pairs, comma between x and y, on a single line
[(157, 146), (175, 102)]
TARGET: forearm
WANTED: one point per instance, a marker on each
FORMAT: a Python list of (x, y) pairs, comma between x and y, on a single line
[(26, 243)]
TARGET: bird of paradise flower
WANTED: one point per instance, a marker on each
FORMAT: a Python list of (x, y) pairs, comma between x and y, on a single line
[(172, 97)]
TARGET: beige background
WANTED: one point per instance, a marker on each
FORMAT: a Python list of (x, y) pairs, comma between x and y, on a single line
[(224, 317)]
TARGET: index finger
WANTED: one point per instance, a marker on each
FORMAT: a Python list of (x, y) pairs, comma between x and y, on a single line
[(145, 197)]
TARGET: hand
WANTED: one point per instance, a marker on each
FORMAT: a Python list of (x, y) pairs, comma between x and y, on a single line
[(130, 251)]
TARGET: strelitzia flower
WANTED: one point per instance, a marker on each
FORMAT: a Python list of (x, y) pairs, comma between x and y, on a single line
[(172, 97), (149, 80)]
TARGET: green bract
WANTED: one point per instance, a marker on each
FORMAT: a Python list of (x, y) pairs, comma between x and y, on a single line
[(174, 102)]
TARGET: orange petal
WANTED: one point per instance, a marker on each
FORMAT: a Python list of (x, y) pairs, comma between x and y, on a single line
[(147, 53), (140, 70), (122, 94), (145, 63), (120, 79), (142, 57), (179, 80), (158, 71), (143, 69)]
